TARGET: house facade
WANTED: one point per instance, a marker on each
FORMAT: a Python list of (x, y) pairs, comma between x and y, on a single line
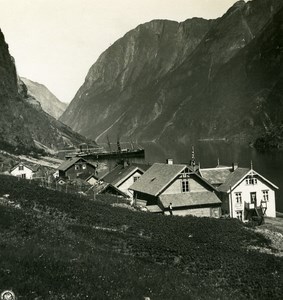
[(76, 167), (244, 192), (24, 170), (123, 176), (178, 190)]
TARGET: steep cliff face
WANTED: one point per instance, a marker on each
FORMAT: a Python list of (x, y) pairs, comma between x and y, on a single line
[(48, 101), (188, 83), (128, 68), (23, 127)]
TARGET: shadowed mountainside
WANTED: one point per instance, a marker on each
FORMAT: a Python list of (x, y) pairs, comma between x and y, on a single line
[(24, 126), (166, 81)]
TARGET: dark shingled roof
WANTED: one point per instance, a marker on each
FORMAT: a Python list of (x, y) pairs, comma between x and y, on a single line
[(189, 199), (232, 179), (120, 172), (70, 162), (156, 178), (216, 175)]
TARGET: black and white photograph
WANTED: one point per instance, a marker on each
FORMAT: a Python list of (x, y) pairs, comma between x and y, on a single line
[(141, 149)]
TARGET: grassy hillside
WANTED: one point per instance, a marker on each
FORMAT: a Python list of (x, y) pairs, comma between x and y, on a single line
[(59, 246)]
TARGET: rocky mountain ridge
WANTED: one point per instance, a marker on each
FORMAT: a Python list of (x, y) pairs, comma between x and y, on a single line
[(48, 101), (166, 81)]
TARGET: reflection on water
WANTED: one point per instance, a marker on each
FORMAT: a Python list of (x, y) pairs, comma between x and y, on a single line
[(269, 165)]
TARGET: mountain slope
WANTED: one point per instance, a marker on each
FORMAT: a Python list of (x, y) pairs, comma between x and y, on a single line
[(23, 125), (151, 97), (49, 102)]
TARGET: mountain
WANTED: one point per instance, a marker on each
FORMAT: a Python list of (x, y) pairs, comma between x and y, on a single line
[(166, 81), (48, 101), (24, 126)]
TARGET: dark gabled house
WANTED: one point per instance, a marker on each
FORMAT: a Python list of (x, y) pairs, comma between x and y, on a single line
[(76, 167), (178, 186)]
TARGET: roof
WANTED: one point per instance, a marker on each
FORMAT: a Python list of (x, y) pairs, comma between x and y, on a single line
[(154, 209), (156, 178), (70, 162), (233, 179), (237, 176), (101, 187), (121, 173), (189, 199), (31, 166), (216, 175)]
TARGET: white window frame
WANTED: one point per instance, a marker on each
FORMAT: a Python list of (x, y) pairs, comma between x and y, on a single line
[(265, 195), (238, 196), (239, 215)]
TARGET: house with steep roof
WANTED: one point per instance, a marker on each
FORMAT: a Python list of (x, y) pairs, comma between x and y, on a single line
[(177, 189), (243, 191), (25, 170), (124, 175), (75, 168)]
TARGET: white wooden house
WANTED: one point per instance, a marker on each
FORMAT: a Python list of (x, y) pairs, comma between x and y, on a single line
[(243, 191), (24, 170)]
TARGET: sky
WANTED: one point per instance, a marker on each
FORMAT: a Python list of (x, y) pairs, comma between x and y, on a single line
[(55, 42)]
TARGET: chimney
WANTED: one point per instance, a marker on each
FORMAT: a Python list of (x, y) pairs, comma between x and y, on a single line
[(169, 161), (234, 166)]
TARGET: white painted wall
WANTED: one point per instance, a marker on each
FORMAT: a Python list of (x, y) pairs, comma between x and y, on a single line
[(19, 173), (176, 187), (246, 189), (124, 187)]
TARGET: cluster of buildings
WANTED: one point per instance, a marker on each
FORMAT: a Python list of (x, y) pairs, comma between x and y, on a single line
[(178, 189)]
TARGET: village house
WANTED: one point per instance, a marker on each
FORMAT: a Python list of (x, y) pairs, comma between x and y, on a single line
[(243, 191), (76, 167), (124, 175), (25, 170), (177, 189)]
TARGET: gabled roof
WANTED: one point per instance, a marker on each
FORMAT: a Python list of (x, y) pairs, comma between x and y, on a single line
[(120, 173), (189, 199), (216, 175), (102, 187), (237, 177), (31, 166), (154, 209), (156, 178), (70, 162)]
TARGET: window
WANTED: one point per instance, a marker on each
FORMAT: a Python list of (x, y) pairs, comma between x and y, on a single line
[(136, 178), (265, 195), (84, 166), (77, 167), (238, 198), (21, 167), (24, 176), (251, 180), (185, 186), (239, 215)]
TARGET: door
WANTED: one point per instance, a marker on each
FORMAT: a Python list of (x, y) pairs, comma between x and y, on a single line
[(253, 198)]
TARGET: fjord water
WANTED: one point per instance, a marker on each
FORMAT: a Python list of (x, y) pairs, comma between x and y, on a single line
[(269, 165)]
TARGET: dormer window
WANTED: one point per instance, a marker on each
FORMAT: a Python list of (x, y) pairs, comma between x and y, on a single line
[(250, 180)]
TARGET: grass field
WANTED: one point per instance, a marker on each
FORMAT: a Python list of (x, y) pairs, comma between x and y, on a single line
[(60, 246)]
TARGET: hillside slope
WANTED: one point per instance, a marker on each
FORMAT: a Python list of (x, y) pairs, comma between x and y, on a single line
[(49, 102), (24, 126), (60, 246), (202, 95)]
